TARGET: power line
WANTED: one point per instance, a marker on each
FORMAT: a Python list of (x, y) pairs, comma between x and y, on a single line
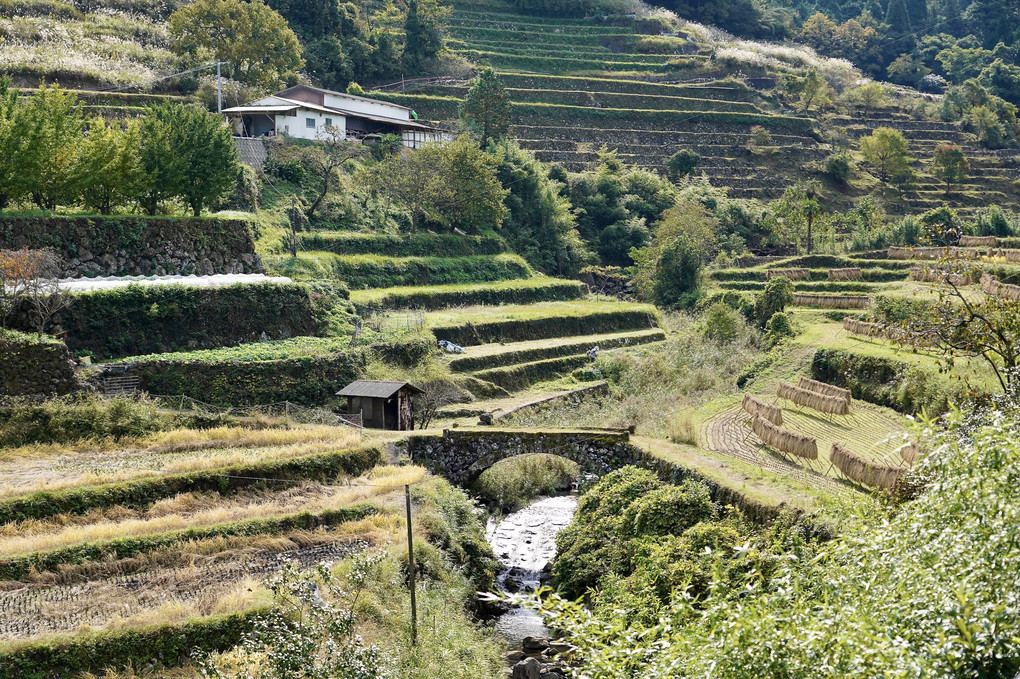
[(156, 80)]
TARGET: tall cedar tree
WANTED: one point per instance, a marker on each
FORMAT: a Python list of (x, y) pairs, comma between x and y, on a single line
[(917, 10), (898, 18), (486, 108)]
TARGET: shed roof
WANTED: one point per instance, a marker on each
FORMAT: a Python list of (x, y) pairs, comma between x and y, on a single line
[(375, 389)]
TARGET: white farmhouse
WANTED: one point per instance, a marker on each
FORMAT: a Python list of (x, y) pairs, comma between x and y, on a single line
[(304, 112)]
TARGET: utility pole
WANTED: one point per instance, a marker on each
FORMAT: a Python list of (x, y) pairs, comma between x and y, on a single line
[(410, 565), (219, 88)]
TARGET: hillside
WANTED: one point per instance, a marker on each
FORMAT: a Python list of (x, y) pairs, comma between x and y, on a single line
[(579, 85)]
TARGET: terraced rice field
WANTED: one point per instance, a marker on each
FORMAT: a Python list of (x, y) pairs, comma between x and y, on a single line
[(168, 559), (872, 432)]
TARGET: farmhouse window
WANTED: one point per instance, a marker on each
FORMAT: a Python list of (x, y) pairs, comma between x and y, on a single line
[(309, 122), (329, 122)]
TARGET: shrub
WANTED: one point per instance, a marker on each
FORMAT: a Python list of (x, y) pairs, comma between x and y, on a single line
[(667, 510), (681, 164), (773, 299), (838, 167), (721, 322), (777, 329), (79, 418)]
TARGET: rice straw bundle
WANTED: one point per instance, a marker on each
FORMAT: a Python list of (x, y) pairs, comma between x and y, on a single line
[(755, 407), (785, 440), (832, 301), (852, 273), (829, 405), (792, 274), (824, 389), (991, 286), (1010, 255), (935, 253), (978, 241), (910, 451), (859, 327), (898, 253), (860, 470), (931, 275)]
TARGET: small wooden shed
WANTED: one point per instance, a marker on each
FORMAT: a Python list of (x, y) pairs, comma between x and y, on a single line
[(382, 405)]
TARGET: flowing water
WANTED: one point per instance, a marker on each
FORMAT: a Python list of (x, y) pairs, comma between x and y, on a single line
[(525, 542)]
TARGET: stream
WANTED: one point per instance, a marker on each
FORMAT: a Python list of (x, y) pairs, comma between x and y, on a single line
[(525, 542)]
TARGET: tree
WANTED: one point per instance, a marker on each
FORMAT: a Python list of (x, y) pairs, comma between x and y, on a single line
[(907, 69), (772, 300), (898, 18), (256, 43), (682, 163), (949, 164), (917, 12), (486, 108), (813, 91), (886, 150), (110, 168), (322, 162), (539, 224), (186, 153), (869, 97), (448, 186), (669, 267), (423, 32), (962, 325), (48, 155), (12, 140), (29, 282)]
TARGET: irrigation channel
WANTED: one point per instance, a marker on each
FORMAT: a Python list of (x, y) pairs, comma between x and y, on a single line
[(525, 542)]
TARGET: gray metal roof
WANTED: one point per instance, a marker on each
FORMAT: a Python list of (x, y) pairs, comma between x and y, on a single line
[(375, 389)]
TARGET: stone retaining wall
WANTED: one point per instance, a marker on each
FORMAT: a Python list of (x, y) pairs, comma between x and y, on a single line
[(129, 245), (34, 367)]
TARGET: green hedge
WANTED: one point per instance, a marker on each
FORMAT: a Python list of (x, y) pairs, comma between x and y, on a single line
[(511, 38), (508, 358), (224, 480), (150, 319), (166, 645), (528, 291), (308, 380), (730, 90), (872, 275), (834, 262), (522, 330), (19, 566), (887, 382), (414, 245), (523, 375), (159, 240)]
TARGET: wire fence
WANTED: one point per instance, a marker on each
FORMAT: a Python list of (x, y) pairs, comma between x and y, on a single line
[(292, 412)]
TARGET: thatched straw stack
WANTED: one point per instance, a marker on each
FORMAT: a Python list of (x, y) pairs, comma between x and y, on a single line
[(785, 440), (910, 452), (824, 389), (792, 274), (1010, 255), (852, 273), (832, 301), (860, 470), (755, 407), (936, 253), (991, 286), (978, 241), (931, 275), (859, 327), (898, 253), (829, 405)]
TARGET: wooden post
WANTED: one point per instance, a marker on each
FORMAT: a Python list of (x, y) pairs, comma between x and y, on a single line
[(410, 565)]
